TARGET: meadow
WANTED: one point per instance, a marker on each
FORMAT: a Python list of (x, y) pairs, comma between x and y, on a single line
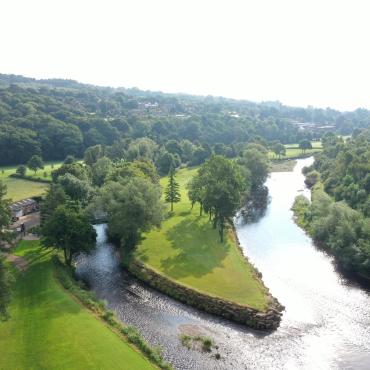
[(18, 189)]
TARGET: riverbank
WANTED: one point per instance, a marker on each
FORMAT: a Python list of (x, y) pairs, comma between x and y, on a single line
[(48, 329), (335, 228), (185, 260), (325, 324)]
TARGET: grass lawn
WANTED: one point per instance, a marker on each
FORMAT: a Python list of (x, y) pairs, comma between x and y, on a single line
[(188, 250), (49, 330), (292, 152), (315, 145), (20, 189)]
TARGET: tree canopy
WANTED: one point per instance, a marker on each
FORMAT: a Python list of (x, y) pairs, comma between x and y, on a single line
[(68, 229)]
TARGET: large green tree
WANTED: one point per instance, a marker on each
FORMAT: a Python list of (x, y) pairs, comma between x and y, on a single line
[(133, 206), (257, 163), (304, 145), (223, 189), (172, 191), (35, 163), (69, 230)]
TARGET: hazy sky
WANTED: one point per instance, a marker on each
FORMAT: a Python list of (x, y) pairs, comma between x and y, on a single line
[(301, 52)]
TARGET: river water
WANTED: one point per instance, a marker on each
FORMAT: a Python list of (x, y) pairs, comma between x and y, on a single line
[(326, 324)]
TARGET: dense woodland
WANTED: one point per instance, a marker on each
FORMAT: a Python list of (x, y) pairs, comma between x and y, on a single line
[(55, 118), (339, 216)]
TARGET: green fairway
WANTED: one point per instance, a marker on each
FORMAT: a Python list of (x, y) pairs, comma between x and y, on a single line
[(49, 330), (20, 189), (187, 249)]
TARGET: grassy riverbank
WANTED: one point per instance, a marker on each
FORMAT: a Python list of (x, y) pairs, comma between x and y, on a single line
[(49, 329), (187, 250)]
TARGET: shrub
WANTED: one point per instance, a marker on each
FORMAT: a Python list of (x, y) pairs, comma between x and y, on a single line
[(21, 170), (312, 178)]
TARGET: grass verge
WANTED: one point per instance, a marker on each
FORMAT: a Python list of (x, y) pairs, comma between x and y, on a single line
[(48, 329)]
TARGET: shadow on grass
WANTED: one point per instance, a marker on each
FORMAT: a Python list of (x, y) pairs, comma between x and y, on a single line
[(199, 250)]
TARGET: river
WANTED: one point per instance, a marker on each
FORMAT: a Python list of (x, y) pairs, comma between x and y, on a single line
[(326, 324)]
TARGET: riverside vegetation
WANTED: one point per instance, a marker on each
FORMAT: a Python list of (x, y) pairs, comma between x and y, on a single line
[(338, 218)]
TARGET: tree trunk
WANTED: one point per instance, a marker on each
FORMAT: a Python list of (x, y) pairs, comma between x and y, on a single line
[(210, 215), (222, 233), (201, 209), (69, 262), (65, 255), (171, 206)]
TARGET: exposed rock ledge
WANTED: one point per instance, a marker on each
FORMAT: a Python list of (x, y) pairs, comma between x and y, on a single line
[(260, 320)]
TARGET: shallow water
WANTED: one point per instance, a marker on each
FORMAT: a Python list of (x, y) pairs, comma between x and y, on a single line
[(325, 324)]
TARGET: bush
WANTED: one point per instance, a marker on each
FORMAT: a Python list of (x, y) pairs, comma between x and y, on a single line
[(312, 178), (21, 170)]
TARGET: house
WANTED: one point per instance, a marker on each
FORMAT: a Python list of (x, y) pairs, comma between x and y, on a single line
[(23, 207)]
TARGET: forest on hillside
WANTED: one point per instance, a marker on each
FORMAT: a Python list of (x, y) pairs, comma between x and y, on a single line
[(55, 118)]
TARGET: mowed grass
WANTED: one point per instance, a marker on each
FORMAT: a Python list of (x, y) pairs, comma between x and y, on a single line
[(20, 189), (187, 249), (49, 330), (292, 152)]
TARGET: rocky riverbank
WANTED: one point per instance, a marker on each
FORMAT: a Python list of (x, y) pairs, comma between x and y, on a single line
[(260, 320)]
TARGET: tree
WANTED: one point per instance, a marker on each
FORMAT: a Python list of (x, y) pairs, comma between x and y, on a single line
[(5, 213), (257, 163), (21, 170), (70, 159), (165, 162), (55, 196), (172, 191), (196, 192), (68, 229), (5, 217), (223, 188), (76, 189), (35, 163), (92, 154), (100, 170), (133, 207), (278, 149), (304, 145)]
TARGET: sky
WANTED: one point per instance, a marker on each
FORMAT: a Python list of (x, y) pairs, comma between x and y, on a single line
[(300, 52)]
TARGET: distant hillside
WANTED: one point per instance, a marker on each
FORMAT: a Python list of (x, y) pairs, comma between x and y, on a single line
[(57, 117)]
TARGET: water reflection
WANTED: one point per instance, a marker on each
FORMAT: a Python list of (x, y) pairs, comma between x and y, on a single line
[(326, 322)]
